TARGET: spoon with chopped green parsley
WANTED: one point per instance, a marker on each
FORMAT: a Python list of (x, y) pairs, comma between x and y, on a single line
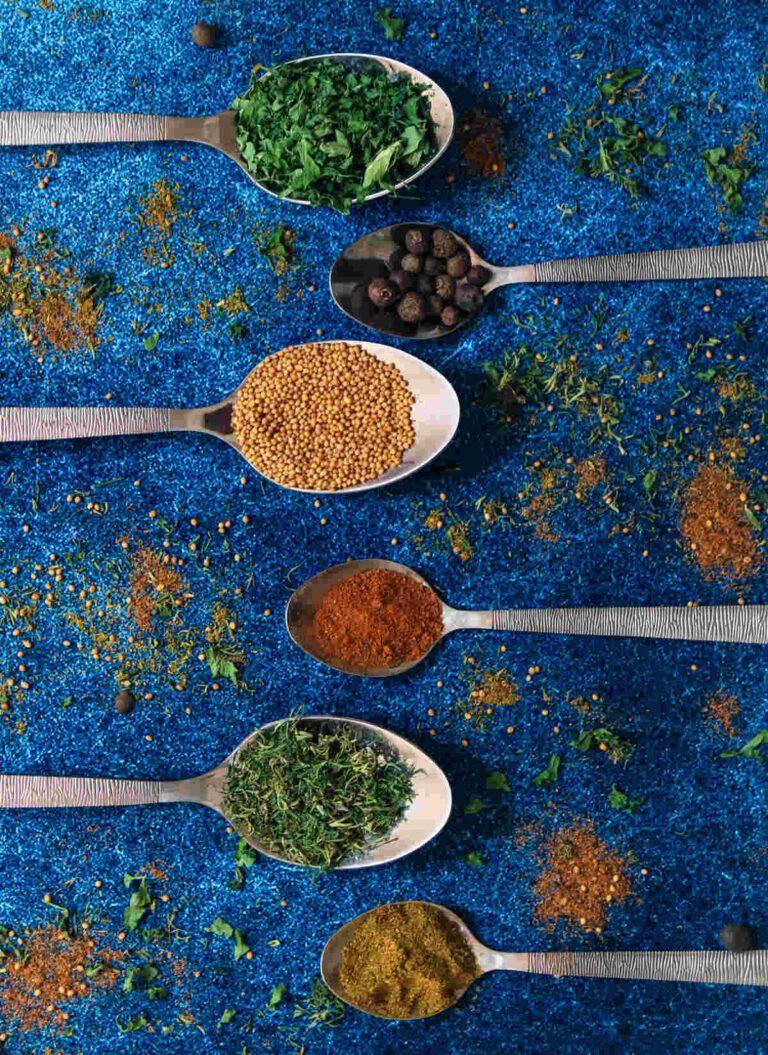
[(320, 792), (332, 130)]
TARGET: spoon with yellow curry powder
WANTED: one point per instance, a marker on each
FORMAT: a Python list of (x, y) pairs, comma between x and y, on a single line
[(324, 417), (377, 618), (414, 959), (297, 790)]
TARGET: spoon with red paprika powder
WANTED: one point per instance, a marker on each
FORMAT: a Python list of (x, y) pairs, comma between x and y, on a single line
[(377, 618)]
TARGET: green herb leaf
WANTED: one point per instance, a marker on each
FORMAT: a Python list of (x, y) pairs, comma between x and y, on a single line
[(550, 774), (227, 1016), (377, 169), (133, 1024), (139, 977), (278, 992), (393, 27), (140, 903), (621, 801), (751, 749), (221, 927), (617, 749), (473, 805), (497, 781), (241, 945), (151, 342), (474, 858)]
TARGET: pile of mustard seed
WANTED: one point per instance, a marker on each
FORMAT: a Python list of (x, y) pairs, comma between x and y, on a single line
[(324, 416)]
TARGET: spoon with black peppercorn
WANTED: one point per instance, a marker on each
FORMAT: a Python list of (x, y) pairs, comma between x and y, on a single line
[(422, 281), (422, 819), (741, 624), (709, 966), (434, 417), (19, 128)]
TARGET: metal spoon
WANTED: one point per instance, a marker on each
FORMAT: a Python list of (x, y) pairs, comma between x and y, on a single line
[(423, 819), (434, 415), (743, 624), (713, 967), (47, 128), (368, 257)]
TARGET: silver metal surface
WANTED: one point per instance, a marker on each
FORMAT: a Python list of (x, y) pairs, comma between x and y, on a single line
[(45, 128), (741, 624), (715, 967), (367, 258), (435, 417), (422, 820)]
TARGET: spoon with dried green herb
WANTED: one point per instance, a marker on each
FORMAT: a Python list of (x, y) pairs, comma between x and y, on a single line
[(333, 129), (320, 792)]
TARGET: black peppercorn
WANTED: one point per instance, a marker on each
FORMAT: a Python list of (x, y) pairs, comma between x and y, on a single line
[(415, 242), (444, 287), (411, 263), (433, 266), (412, 308), (443, 243), (435, 304), (424, 284), (736, 937), (383, 292), (458, 264), (205, 35), (125, 702), (404, 280), (477, 275), (450, 316), (468, 298)]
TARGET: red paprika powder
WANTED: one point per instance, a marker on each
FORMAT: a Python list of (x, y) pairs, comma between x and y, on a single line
[(379, 618)]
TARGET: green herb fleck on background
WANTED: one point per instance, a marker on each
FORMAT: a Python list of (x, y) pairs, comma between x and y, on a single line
[(621, 801), (497, 781), (751, 749), (394, 28), (550, 774)]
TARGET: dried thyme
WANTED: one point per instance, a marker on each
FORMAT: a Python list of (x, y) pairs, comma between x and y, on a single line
[(316, 798)]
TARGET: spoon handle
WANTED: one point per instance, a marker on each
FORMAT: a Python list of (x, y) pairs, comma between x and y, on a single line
[(743, 624), (740, 260), (69, 423), (23, 792), (714, 966), (21, 128)]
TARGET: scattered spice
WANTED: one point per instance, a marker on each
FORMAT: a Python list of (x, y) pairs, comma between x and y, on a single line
[(156, 588), (488, 691), (481, 139), (317, 798), (47, 971), (379, 618), (715, 526), (406, 960), (330, 134), (581, 879), (324, 416), (721, 709), (158, 216)]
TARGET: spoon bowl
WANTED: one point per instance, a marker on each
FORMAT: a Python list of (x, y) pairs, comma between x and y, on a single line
[(435, 417), (47, 128), (422, 819), (368, 258), (707, 966), (743, 624)]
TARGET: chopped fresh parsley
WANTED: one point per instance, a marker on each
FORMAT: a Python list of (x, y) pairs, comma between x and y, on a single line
[(331, 134), (278, 992), (393, 27), (474, 804), (617, 748), (751, 749), (141, 902), (474, 858), (550, 774), (728, 170), (133, 1024), (497, 781), (621, 801)]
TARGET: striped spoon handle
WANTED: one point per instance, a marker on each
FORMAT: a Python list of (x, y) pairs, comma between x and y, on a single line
[(743, 624), (20, 128), (26, 792), (715, 967), (739, 260), (70, 423)]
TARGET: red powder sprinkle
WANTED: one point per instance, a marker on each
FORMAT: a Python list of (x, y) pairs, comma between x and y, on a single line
[(721, 708), (715, 525)]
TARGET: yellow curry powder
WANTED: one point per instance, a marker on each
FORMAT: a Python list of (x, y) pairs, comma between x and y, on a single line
[(406, 960)]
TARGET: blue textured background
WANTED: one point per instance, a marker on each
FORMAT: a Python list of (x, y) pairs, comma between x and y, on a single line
[(702, 836)]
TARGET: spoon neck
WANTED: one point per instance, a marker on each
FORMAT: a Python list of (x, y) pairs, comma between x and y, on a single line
[(510, 276), (462, 619), (495, 960)]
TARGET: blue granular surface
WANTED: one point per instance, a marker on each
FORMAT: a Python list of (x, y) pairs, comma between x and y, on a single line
[(698, 845)]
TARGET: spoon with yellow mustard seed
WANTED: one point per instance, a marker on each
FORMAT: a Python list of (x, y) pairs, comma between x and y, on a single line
[(20, 128), (330, 614), (426, 427), (420, 280), (423, 817), (712, 967)]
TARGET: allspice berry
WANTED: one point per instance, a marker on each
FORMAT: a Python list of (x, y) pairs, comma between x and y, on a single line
[(424, 285), (383, 292), (415, 242), (125, 701), (468, 298), (477, 275), (444, 287), (458, 264), (433, 266), (412, 308), (450, 316), (205, 35), (404, 280), (412, 263), (736, 937), (435, 304), (443, 244)]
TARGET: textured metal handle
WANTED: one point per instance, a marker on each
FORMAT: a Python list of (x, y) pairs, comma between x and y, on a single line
[(744, 624), (69, 423), (20, 128), (742, 260), (27, 792), (716, 967)]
